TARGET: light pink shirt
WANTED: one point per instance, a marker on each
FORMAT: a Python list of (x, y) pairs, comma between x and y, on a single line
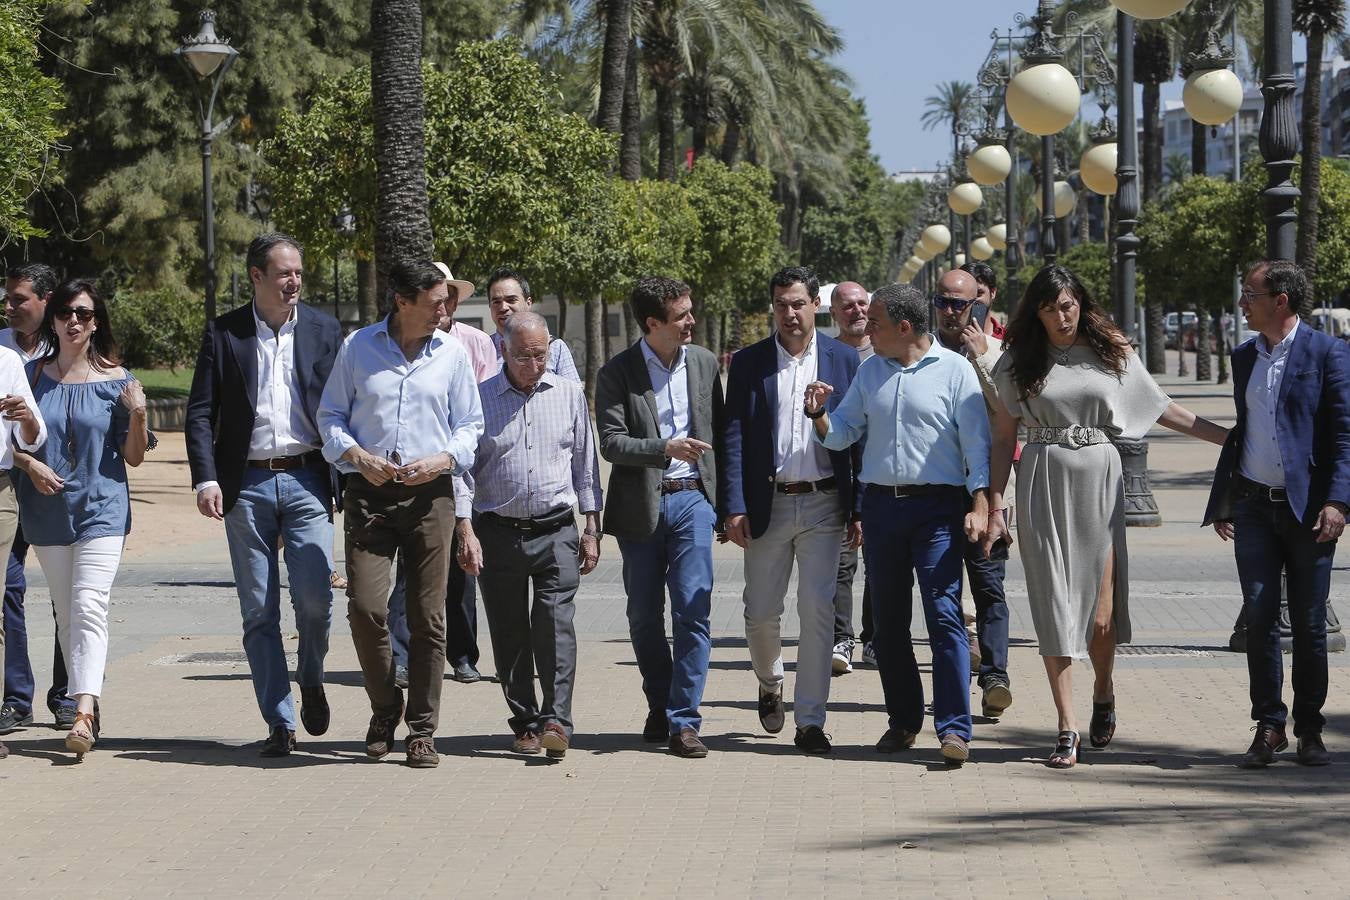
[(482, 354)]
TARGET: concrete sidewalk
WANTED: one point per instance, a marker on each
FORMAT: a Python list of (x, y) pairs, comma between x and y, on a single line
[(176, 801)]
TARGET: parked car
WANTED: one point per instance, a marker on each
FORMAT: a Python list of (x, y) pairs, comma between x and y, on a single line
[(1173, 325), (1335, 322)]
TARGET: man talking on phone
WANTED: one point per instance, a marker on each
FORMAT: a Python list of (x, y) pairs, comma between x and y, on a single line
[(959, 331)]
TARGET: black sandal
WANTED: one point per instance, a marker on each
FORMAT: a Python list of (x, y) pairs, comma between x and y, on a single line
[(1103, 725), (1066, 752)]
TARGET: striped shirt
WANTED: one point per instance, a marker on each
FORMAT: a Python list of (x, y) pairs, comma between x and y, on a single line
[(537, 453)]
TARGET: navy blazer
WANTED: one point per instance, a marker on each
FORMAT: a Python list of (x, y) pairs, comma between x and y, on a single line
[(223, 403), (1312, 423), (752, 427)]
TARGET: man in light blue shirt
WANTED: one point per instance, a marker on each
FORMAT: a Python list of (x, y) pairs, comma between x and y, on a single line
[(401, 410), (920, 410)]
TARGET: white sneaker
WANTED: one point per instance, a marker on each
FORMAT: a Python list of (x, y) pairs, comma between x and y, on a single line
[(842, 661), (869, 656)]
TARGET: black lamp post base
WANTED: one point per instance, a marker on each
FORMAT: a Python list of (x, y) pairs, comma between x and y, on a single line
[(1141, 510), (1237, 642)]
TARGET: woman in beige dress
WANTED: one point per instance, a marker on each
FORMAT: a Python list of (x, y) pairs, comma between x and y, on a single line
[(1070, 377)]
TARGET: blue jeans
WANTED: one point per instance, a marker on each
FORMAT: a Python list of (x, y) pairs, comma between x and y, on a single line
[(291, 506), (991, 610), (19, 685), (677, 557), (902, 536), (1270, 541)]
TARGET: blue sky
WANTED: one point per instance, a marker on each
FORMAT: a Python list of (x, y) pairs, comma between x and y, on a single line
[(896, 51)]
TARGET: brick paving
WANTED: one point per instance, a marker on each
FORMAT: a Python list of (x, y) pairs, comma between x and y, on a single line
[(176, 802)]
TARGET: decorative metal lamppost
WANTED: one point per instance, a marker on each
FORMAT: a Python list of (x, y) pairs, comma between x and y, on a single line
[(207, 57)]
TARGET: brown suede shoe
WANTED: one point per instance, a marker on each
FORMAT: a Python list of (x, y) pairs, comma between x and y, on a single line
[(526, 742), (554, 740), (422, 753), (687, 744)]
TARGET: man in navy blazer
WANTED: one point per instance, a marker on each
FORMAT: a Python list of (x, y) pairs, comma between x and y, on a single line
[(253, 448), (1280, 492), (787, 498)]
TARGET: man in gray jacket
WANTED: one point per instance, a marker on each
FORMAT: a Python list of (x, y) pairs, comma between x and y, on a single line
[(659, 413)]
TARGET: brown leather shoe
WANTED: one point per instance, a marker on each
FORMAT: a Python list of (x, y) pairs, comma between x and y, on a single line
[(526, 742), (380, 735), (1269, 740), (687, 744), (1312, 752), (554, 740), (422, 752), (895, 740)]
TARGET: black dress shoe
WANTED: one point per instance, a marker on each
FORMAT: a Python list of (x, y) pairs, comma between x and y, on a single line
[(1269, 740), (895, 740), (280, 742), (771, 712), (65, 718), (1312, 752), (12, 720), (657, 728), (812, 739), (465, 673), (314, 713)]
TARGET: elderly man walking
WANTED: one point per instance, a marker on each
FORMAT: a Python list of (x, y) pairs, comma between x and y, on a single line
[(919, 411), (659, 412), (958, 293), (536, 460), (789, 500), (401, 411)]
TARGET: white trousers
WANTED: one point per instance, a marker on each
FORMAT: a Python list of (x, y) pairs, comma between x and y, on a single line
[(809, 529), (80, 578)]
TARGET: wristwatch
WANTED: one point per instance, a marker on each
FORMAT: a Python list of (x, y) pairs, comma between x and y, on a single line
[(813, 415)]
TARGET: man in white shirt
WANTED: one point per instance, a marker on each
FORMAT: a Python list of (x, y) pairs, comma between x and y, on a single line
[(253, 442), (27, 289), (789, 499)]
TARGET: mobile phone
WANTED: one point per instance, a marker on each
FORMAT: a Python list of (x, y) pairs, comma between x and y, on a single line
[(979, 312)]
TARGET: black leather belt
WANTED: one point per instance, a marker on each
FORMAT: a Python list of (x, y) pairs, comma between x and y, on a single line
[(805, 487), (533, 525), (1248, 488), (286, 463), (914, 490), (675, 485)]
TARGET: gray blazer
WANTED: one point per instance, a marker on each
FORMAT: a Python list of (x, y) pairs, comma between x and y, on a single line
[(625, 416)]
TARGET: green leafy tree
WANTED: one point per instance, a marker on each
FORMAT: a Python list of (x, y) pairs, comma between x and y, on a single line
[(740, 247), (29, 104)]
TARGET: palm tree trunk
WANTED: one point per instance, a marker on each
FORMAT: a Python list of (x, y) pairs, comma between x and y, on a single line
[(1310, 175), (1151, 151), (402, 225), (594, 350), (731, 139), (366, 303), (665, 131), (630, 148), (614, 64), (1203, 332), (1084, 218)]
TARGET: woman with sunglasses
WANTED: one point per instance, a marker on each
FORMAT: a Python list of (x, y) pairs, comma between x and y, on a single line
[(73, 498), (1070, 377)]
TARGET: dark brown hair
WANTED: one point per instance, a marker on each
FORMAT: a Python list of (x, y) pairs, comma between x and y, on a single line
[(102, 348), (1029, 345)]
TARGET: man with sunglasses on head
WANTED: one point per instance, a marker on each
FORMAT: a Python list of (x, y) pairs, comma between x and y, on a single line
[(959, 331), (27, 289), (253, 450)]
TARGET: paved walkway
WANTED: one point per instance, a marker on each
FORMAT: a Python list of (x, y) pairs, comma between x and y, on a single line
[(177, 802)]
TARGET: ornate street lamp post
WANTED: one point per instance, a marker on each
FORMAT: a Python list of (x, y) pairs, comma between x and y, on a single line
[(207, 58)]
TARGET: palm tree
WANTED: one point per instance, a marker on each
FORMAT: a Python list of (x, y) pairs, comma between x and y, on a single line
[(953, 104), (402, 225), (1315, 19)]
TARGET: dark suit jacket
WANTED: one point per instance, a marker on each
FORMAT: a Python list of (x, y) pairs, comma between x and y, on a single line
[(625, 417), (222, 405), (752, 427), (1312, 423)]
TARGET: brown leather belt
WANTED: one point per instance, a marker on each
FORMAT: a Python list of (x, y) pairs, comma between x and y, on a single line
[(914, 490), (286, 463), (675, 485), (805, 487)]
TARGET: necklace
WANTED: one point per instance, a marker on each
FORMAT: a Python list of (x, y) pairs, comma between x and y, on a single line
[(1061, 354), (70, 408)]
